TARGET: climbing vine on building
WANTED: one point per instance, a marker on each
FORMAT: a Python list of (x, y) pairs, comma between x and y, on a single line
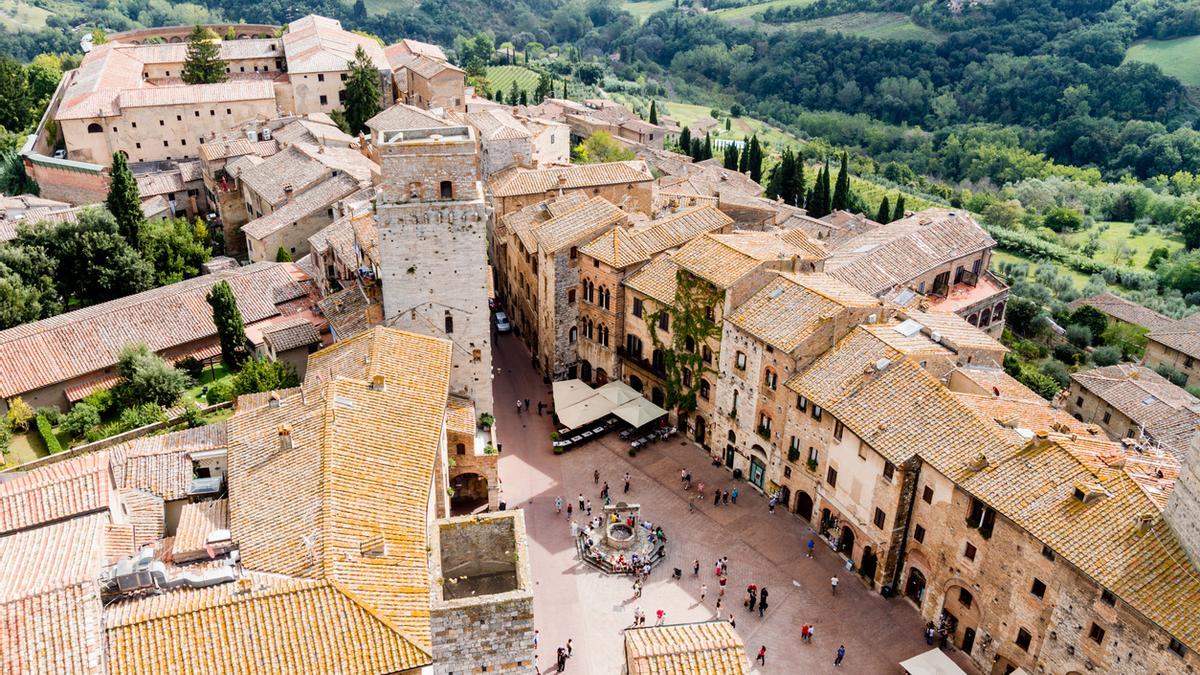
[(695, 302)]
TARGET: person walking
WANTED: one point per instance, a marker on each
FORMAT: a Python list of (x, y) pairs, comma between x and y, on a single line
[(717, 569), (771, 504), (527, 404), (589, 508), (595, 476), (732, 622), (811, 544), (703, 592), (604, 490), (811, 629), (695, 568), (518, 406), (580, 501), (833, 583), (568, 511), (804, 633), (716, 497), (841, 654), (725, 497), (661, 616), (574, 530), (558, 504), (626, 481), (751, 600), (762, 606), (929, 633), (718, 604), (561, 659), (762, 655), (541, 405), (637, 587), (733, 496), (569, 648), (724, 565)]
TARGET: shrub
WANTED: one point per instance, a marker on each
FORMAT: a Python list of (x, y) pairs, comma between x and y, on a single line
[(83, 417), (632, 451), (48, 437), (146, 378), (1068, 353), (1089, 316), (486, 420), (101, 400), (192, 416), (140, 416), (1107, 355), (1177, 378), (218, 392), (192, 366), (1057, 372), (20, 414), (52, 414), (1079, 335), (263, 374), (558, 451)]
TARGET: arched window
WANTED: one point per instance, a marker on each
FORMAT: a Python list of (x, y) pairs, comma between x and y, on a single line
[(689, 344), (733, 408), (771, 379), (685, 376), (572, 334), (706, 354), (574, 252), (732, 436), (449, 323), (95, 128), (446, 188), (999, 314)]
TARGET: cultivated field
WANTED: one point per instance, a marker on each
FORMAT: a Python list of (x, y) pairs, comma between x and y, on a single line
[(871, 25), (502, 78), (1179, 58)]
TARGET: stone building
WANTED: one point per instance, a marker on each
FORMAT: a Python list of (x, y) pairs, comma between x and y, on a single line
[(1120, 310), (318, 54), (628, 185), (432, 243), (1135, 403), (504, 141), (345, 253), (939, 253), (429, 83), (1176, 345)]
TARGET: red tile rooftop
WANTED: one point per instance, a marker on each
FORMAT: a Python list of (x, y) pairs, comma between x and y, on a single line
[(963, 295)]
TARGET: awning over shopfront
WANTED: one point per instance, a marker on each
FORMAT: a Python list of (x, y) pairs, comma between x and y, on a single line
[(577, 404), (932, 662)]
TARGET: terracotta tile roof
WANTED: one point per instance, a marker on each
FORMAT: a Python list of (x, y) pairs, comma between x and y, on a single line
[(656, 280), (617, 248), (297, 332), (402, 116), (87, 340), (678, 228), (994, 379), (792, 307), (1182, 336), (428, 68), (667, 200), (895, 335), (263, 398), (159, 183), (1125, 310), (194, 94), (302, 166), (723, 259), (495, 124), (197, 520), (162, 464), (316, 44), (317, 198), (1169, 414), (56, 492), (959, 333), (49, 601), (519, 181), (708, 648), (460, 415), (896, 253), (407, 46), (94, 87), (147, 515), (348, 312), (310, 507), (580, 223)]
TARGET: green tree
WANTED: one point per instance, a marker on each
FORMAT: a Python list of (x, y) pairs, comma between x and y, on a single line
[(600, 147), (87, 261), (884, 215), (1062, 219), (44, 73), (1188, 220), (362, 92), (20, 414), (282, 255), (841, 189), (545, 86), (15, 106), (514, 94), (360, 10), (262, 374), (203, 64), (899, 212), (176, 247), (1095, 320), (19, 302), (731, 157), (756, 160), (231, 330), (1021, 314), (1130, 339), (80, 419), (685, 141), (708, 152), (653, 112), (146, 378), (124, 201), (1181, 272), (13, 178), (1107, 355)]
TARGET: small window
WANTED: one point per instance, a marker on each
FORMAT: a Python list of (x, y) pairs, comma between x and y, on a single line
[(1107, 416), (229, 111), (1096, 633), (166, 144), (1038, 589), (1177, 647), (460, 449), (965, 598), (183, 141), (838, 427), (179, 118), (772, 379), (740, 360), (970, 551), (162, 123), (664, 321), (801, 403), (571, 296), (1023, 639), (324, 99), (813, 455), (595, 263), (831, 477), (1108, 598), (816, 413), (1079, 401), (1048, 553), (704, 389), (927, 495), (212, 113), (889, 470), (133, 124), (880, 518), (197, 113), (787, 472), (919, 534), (637, 307), (572, 335), (446, 188), (320, 77), (574, 252), (138, 146), (450, 323)]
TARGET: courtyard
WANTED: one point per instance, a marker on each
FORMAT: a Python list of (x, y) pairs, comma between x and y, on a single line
[(573, 600)]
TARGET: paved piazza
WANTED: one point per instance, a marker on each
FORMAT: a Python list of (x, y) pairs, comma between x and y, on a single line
[(575, 601)]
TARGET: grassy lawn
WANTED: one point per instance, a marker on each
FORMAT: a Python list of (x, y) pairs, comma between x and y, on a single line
[(502, 78), (746, 13), (17, 16), (872, 25), (1118, 235), (643, 9), (210, 375), (1179, 58)]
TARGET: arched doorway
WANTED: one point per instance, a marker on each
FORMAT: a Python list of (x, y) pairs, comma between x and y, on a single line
[(804, 506), (785, 496), (601, 376), (470, 493), (635, 383), (870, 562), (846, 542), (915, 588), (682, 425), (758, 466), (585, 371), (657, 397), (700, 429)]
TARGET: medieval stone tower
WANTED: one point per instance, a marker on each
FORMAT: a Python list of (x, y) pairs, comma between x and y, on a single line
[(432, 237), (1183, 511)]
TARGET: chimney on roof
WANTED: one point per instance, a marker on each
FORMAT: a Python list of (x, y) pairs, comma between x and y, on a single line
[(378, 383), (287, 192), (285, 437), (978, 463), (1143, 522), (273, 400)]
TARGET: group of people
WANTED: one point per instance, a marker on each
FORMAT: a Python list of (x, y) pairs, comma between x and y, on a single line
[(523, 406)]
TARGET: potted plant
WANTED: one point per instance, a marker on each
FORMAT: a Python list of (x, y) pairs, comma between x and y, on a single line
[(554, 436), (486, 420)]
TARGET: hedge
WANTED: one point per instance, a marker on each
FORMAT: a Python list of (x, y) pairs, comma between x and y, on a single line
[(48, 437)]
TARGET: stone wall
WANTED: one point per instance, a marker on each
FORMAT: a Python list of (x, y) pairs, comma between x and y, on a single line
[(67, 184), (503, 153), (599, 356), (1183, 511)]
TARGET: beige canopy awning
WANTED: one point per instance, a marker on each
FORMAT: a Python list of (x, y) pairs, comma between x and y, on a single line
[(639, 411), (932, 662), (577, 404)]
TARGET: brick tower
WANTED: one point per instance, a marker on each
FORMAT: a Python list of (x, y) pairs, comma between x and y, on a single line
[(432, 238)]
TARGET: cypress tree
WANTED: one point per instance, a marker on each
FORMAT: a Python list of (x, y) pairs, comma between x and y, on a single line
[(899, 212), (696, 152), (731, 157), (707, 146), (124, 201), (744, 161), (653, 112), (514, 94), (685, 141), (779, 177), (564, 89), (231, 330), (282, 255), (885, 212), (826, 191), (202, 64), (841, 190), (756, 159), (362, 92)]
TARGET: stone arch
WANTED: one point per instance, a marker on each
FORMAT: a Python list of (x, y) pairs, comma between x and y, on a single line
[(601, 376), (868, 564), (470, 493), (846, 541), (804, 505), (914, 585), (585, 371), (985, 317), (635, 383)]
